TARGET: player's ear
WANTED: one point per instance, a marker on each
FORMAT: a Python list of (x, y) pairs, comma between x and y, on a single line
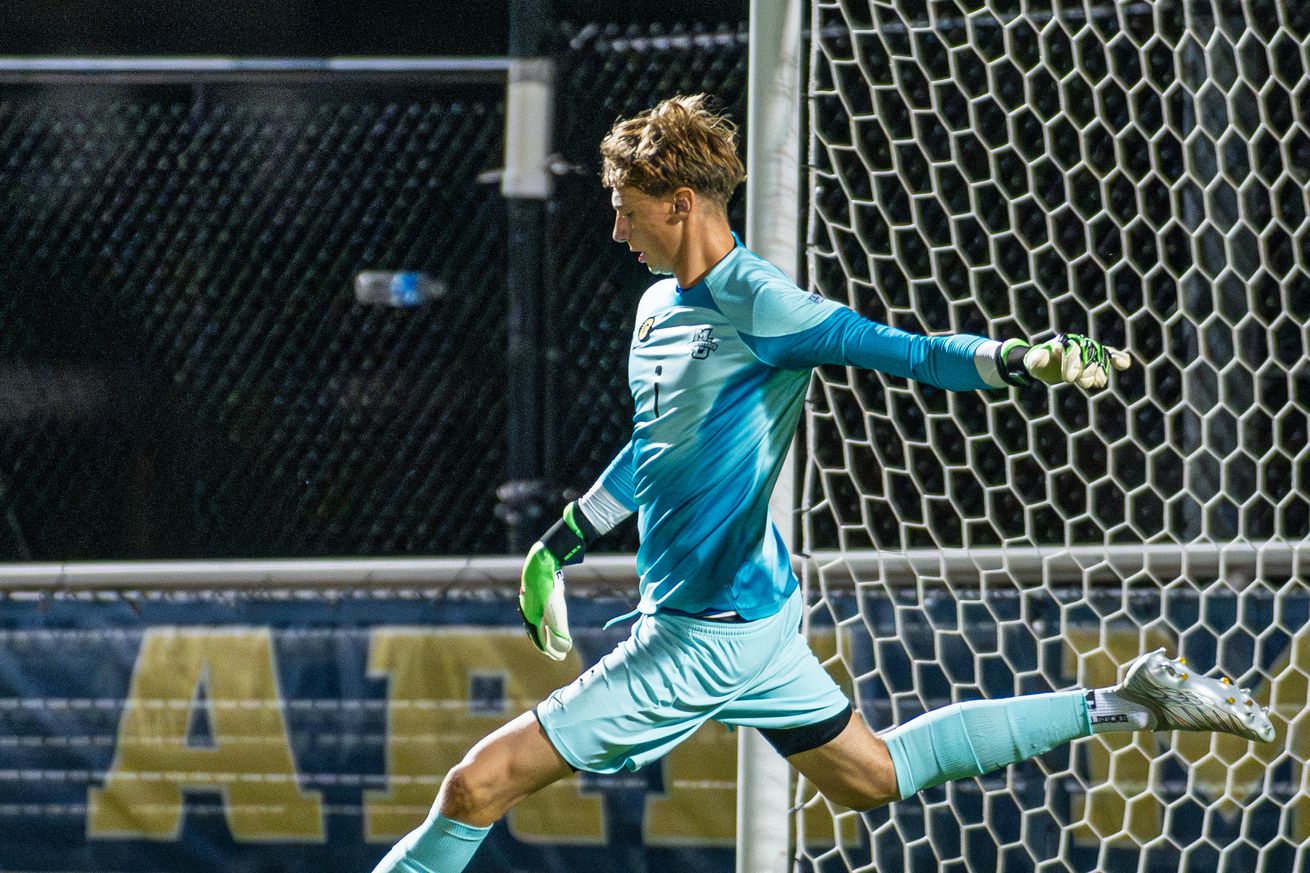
[(683, 201)]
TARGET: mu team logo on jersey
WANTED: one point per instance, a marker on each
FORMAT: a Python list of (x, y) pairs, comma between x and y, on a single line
[(703, 343)]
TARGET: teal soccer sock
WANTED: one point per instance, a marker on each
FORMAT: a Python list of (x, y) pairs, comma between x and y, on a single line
[(979, 736), (439, 845)]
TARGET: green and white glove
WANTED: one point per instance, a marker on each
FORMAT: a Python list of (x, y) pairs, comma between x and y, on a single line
[(541, 588), (1067, 357)]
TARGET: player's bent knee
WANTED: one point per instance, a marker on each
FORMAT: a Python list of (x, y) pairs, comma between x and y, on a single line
[(467, 796), (456, 797)]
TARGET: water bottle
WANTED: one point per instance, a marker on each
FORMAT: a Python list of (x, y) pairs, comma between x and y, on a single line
[(399, 289)]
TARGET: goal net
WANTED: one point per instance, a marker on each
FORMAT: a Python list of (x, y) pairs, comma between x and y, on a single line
[(1137, 172)]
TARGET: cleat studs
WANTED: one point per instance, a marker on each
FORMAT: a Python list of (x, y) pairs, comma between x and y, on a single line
[(1212, 702), (1182, 660)]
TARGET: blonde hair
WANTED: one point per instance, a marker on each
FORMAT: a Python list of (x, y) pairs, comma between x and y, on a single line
[(680, 142)]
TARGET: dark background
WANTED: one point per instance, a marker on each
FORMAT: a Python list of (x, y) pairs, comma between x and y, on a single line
[(184, 372), (307, 28)]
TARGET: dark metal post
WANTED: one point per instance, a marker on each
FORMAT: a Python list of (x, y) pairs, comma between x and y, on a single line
[(526, 186)]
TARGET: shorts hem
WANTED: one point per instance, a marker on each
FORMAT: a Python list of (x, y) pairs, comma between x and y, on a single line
[(808, 737), (764, 722), (563, 750)]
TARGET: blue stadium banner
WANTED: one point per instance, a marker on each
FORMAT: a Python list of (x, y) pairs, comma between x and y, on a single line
[(307, 732)]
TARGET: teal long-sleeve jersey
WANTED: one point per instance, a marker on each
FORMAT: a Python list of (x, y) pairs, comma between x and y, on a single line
[(718, 374)]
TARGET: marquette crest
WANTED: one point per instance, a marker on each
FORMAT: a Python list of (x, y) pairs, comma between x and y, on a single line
[(703, 343)]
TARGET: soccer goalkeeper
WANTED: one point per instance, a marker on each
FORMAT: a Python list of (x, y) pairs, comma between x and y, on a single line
[(719, 363)]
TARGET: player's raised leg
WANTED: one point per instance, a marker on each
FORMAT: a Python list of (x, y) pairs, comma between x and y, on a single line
[(861, 770), (496, 774)]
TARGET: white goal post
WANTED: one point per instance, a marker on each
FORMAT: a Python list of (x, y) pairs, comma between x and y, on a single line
[(773, 196)]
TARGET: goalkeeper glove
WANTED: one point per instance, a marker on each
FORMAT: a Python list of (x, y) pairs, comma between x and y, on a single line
[(541, 588), (1066, 357)]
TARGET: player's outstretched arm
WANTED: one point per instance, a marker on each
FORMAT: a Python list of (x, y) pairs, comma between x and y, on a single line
[(1065, 358), (789, 328), (541, 587)]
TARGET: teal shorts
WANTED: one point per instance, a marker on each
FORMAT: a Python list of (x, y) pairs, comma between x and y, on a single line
[(674, 673)]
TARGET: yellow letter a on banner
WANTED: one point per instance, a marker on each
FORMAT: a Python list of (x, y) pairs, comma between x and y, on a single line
[(249, 757)]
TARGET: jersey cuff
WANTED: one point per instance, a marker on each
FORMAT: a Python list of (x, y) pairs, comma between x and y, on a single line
[(984, 358), (602, 509)]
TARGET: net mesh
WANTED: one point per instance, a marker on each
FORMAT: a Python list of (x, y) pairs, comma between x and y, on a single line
[(1136, 172)]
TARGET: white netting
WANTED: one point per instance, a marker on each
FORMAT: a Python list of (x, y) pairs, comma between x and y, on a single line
[(1137, 172)]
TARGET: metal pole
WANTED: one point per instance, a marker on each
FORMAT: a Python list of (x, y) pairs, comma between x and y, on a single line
[(148, 70), (526, 186), (1232, 562), (772, 229)]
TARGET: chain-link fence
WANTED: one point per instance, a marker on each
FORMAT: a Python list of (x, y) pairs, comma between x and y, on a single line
[(187, 371), (184, 371)]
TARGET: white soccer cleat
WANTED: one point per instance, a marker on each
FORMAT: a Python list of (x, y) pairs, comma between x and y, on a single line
[(1183, 700)]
